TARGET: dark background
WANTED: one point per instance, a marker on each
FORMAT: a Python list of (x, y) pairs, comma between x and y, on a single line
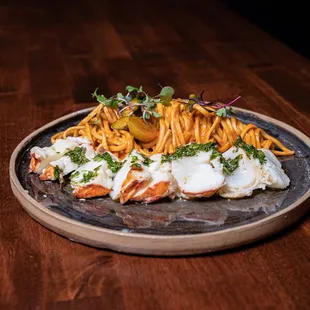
[(288, 21)]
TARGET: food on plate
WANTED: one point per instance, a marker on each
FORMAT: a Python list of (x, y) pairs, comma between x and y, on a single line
[(198, 170), (141, 148), (275, 175), (257, 169), (193, 171), (162, 182), (42, 157), (132, 176), (95, 177), (160, 124), (247, 176), (69, 162)]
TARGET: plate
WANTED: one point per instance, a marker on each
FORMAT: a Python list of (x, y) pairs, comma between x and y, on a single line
[(164, 228)]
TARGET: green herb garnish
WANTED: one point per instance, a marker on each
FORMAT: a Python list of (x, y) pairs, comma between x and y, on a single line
[(135, 165), (114, 165), (215, 154), (109, 102), (77, 156), (251, 150), (89, 175), (221, 109), (166, 95), (146, 160), (100, 98), (137, 97), (134, 162), (192, 150), (74, 175), (230, 165), (57, 173)]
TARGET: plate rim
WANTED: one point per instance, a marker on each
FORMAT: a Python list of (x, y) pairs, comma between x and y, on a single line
[(30, 204)]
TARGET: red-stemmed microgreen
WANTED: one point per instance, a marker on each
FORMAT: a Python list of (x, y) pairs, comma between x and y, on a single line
[(219, 109)]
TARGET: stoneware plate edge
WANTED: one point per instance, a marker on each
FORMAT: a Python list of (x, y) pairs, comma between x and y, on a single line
[(153, 244)]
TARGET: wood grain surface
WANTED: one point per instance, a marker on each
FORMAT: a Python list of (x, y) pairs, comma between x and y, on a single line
[(51, 57)]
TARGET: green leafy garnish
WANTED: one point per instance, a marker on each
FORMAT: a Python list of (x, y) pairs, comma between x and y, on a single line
[(137, 99), (74, 175), (89, 175), (146, 160), (230, 165), (192, 150), (111, 103), (114, 165), (146, 115), (221, 109), (221, 112), (135, 165), (57, 173), (251, 150), (215, 154), (166, 95), (120, 95), (100, 98), (77, 156), (131, 88), (134, 162)]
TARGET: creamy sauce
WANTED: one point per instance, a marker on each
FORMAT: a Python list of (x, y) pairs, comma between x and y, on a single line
[(272, 169), (66, 164), (100, 171), (160, 172), (246, 178), (48, 154), (134, 158), (198, 174), (190, 173)]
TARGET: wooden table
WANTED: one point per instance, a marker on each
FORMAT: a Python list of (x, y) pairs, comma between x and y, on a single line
[(51, 58)]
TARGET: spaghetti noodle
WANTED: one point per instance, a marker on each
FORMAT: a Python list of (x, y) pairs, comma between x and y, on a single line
[(176, 127)]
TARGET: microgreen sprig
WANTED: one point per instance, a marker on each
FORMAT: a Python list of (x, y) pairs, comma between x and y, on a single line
[(137, 98), (220, 109)]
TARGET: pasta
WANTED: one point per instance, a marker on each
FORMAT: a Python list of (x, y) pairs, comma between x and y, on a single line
[(177, 126)]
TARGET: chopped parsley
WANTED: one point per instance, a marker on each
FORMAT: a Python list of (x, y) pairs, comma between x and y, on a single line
[(251, 150), (74, 175), (77, 156), (192, 150), (134, 162), (114, 165), (57, 173), (215, 154), (146, 160), (89, 175), (230, 165)]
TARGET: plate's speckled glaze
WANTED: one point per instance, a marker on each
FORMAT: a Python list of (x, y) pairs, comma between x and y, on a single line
[(169, 218)]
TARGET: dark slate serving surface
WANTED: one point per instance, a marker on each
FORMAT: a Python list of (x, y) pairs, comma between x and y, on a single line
[(178, 217)]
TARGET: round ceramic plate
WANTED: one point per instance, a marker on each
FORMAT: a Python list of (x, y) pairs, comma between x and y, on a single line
[(167, 227)]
